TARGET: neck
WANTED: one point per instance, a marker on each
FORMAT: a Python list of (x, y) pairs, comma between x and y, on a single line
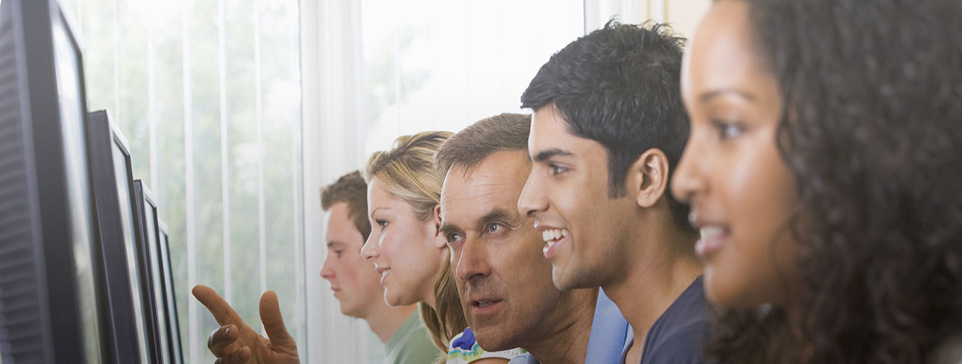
[(661, 265), (385, 320), (566, 341)]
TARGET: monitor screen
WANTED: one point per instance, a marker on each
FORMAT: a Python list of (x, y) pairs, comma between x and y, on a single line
[(156, 282), (51, 292), (123, 175), (79, 204), (170, 297), (110, 167)]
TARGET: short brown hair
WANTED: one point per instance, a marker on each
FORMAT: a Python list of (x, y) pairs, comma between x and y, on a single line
[(350, 189), (483, 138), (470, 146)]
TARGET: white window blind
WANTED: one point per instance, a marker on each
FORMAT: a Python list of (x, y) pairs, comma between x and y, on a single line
[(208, 94)]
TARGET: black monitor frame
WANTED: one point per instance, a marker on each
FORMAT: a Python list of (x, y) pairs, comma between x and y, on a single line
[(50, 306), (149, 231), (119, 247), (170, 296)]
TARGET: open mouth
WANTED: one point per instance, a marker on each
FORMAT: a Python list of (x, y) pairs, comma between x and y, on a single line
[(483, 303), (712, 239), (551, 239), (384, 272)]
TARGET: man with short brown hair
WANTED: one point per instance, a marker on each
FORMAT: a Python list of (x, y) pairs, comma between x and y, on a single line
[(355, 284), (505, 284)]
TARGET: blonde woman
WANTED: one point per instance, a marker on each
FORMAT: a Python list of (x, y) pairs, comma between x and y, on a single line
[(404, 190)]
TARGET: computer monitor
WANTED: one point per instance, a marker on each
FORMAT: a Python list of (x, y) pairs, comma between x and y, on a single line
[(170, 297), (113, 192), (146, 223), (50, 284)]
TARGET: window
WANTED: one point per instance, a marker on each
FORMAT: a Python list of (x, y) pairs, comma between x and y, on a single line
[(442, 65), (208, 95)]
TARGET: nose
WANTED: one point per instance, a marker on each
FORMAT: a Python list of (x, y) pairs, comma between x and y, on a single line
[(369, 251), (689, 178), (326, 271), (532, 199), (472, 261)]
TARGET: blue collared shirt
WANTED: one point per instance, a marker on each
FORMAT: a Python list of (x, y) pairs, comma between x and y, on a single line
[(608, 338)]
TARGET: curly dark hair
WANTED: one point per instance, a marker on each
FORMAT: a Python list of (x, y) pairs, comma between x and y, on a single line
[(872, 130)]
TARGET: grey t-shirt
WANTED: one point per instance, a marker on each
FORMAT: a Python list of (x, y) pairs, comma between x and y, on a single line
[(411, 344)]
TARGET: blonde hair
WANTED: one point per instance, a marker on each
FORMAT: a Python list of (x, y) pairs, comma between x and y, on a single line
[(407, 172)]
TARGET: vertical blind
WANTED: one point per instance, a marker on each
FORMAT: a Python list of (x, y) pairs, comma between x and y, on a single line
[(208, 94)]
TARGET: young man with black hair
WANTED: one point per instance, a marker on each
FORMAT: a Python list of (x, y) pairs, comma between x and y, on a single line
[(608, 128)]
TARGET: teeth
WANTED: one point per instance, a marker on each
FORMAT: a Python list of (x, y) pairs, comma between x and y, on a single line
[(552, 235), (711, 232)]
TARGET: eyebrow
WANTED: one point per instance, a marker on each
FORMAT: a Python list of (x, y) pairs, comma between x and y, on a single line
[(332, 243), (496, 214), (549, 153), (707, 96), (448, 228)]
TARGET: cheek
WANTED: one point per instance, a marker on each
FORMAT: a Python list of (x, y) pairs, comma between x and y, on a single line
[(757, 194), (529, 274)]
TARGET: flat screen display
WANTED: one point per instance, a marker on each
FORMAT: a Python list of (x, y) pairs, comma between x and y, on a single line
[(177, 355), (160, 311), (122, 173), (78, 183)]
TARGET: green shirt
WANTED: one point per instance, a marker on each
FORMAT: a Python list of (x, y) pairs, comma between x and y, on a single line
[(411, 344)]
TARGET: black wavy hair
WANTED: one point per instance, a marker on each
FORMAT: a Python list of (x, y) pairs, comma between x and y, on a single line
[(619, 87), (872, 130)]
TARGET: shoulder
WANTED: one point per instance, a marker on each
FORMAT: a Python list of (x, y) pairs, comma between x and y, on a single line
[(526, 358), (679, 334), (411, 346)]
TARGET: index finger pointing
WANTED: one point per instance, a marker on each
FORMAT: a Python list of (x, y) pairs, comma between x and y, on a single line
[(223, 313)]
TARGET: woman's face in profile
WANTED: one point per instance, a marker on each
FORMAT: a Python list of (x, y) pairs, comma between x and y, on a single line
[(403, 248), (740, 190)]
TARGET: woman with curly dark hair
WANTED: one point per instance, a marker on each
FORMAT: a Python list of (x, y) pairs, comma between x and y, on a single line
[(824, 170)]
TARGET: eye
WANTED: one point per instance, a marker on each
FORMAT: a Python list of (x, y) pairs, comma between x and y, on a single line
[(495, 227), (728, 129), (338, 252), (556, 169), (381, 223), (453, 238)]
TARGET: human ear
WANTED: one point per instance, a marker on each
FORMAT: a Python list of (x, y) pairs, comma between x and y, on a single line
[(435, 220), (647, 178)]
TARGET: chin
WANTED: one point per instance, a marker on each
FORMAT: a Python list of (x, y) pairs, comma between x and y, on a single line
[(350, 312), (492, 339), (571, 279), (397, 300), (723, 293)]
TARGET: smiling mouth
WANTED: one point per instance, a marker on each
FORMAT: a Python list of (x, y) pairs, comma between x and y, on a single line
[(551, 238), (712, 239), (483, 303), (384, 272)]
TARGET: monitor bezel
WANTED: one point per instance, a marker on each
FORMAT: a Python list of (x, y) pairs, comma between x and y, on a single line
[(170, 295), (103, 141), (156, 325), (58, 308)]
